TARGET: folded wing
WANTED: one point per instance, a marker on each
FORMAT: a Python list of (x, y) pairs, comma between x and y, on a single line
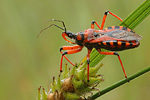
[(117, 35)]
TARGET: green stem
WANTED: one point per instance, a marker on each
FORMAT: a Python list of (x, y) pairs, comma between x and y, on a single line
[(121, 82)]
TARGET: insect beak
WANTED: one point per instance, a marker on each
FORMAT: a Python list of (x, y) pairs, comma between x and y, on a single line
[(70, 35)]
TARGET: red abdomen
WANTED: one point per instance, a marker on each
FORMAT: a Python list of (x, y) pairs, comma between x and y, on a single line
[(117, 45)]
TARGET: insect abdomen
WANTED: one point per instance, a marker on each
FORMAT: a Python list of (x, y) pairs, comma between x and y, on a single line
[(115, 45)]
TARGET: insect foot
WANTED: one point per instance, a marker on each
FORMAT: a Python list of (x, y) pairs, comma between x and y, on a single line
[(72, 84)]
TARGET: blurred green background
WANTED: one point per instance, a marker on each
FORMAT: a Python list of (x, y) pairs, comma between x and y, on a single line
[(26, 62)]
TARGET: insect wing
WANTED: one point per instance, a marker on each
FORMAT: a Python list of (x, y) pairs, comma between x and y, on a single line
[(117, 35), (123, 35)]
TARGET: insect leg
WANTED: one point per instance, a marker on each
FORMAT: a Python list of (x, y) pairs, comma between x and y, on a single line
[(92, 25), (70, 50), (114, 53), (69, 47), (88, 62), (105, 15)]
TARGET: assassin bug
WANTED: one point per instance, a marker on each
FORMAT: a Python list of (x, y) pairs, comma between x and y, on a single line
[(114, 38)]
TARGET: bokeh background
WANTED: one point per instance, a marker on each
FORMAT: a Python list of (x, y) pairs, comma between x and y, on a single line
[(27, 62)]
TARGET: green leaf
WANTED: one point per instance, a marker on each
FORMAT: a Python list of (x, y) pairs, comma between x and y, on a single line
[(136, 17)]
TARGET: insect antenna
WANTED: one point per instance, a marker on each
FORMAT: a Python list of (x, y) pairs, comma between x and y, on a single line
[(64, 28), (62, 23)]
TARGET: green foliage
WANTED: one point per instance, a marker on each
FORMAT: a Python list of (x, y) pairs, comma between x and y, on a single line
[(72, 84)]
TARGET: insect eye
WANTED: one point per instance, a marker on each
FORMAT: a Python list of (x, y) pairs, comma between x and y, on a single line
[(69, 34)]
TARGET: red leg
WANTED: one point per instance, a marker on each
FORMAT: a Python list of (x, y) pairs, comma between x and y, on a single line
[(105, 15), (92, 25), (68, 48), (113, 53), (67, 59), (88, 62), (71, 50)]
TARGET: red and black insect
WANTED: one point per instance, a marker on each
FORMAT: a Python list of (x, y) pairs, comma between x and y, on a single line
[(114, 38)]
